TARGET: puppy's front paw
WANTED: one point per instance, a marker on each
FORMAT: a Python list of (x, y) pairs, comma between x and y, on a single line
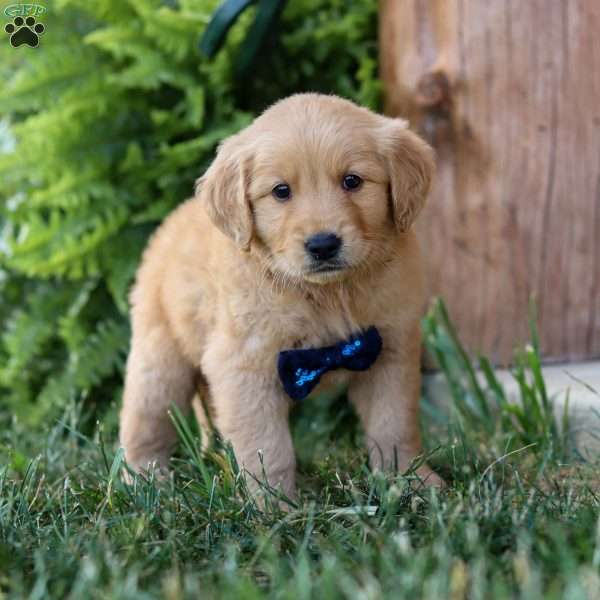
[(429, 477), (147, 468), (281, 496), (268, 502)]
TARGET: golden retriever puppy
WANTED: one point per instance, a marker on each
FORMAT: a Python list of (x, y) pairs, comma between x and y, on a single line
[(299, 237)]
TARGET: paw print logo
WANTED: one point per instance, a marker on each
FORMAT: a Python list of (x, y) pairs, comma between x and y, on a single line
[(24, 31)]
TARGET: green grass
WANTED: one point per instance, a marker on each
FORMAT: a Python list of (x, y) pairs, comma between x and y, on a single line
[(519, 519)]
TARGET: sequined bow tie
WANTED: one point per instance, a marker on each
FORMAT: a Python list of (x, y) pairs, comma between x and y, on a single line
[(301, 370)]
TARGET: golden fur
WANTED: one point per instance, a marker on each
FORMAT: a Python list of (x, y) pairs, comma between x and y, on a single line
[(225, 284)]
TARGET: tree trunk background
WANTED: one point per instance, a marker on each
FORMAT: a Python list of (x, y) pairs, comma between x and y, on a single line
[(515, 211)]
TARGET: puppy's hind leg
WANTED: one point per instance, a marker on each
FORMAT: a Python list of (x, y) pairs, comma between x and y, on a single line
[(158, 375)]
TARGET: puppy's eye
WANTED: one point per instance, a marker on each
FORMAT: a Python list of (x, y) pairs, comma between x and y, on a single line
[(282, 192), (351, 182)]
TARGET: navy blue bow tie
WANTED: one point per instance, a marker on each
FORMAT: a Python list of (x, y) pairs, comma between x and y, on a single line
[(301, 370)]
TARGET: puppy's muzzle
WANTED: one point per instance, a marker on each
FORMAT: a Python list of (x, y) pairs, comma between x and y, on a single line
[(323, 246)]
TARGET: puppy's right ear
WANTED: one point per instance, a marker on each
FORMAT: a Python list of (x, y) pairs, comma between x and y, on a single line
[(223, 190)]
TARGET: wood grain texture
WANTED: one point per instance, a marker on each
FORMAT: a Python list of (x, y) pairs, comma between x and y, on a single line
[(516, 206)]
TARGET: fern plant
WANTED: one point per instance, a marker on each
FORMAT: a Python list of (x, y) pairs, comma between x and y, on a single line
[(103, 129)]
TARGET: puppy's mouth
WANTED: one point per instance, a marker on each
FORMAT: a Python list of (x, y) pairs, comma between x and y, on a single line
[(325, 271), (327, 268)]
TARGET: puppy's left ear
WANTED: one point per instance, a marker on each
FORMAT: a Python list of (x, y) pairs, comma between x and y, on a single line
[(411, 166)]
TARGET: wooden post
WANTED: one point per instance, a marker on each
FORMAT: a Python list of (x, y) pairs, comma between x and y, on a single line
[(508, 92)]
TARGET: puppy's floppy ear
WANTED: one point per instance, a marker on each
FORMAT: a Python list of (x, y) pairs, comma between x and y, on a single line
[(223, 190), (411, 165)]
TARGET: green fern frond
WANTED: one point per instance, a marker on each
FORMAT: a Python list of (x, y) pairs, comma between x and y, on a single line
[(102, 10), (64, 246), (174, 31), (120, 259), (57, 71), (102, 354), (28, 328)]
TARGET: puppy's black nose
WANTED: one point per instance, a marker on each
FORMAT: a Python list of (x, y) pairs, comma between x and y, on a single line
[(323, 245)]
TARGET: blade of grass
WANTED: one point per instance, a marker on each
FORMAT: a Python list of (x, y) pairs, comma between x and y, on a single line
[(190, 443), (465, 359)]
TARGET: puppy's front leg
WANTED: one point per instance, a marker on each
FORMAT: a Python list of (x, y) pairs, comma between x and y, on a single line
[(386, 398), (251, 411)]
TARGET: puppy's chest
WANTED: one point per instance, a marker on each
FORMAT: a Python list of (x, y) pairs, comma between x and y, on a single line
[(305, 326), (295, 326)]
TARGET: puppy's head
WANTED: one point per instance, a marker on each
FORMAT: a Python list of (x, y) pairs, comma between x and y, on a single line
[(319, 185)]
